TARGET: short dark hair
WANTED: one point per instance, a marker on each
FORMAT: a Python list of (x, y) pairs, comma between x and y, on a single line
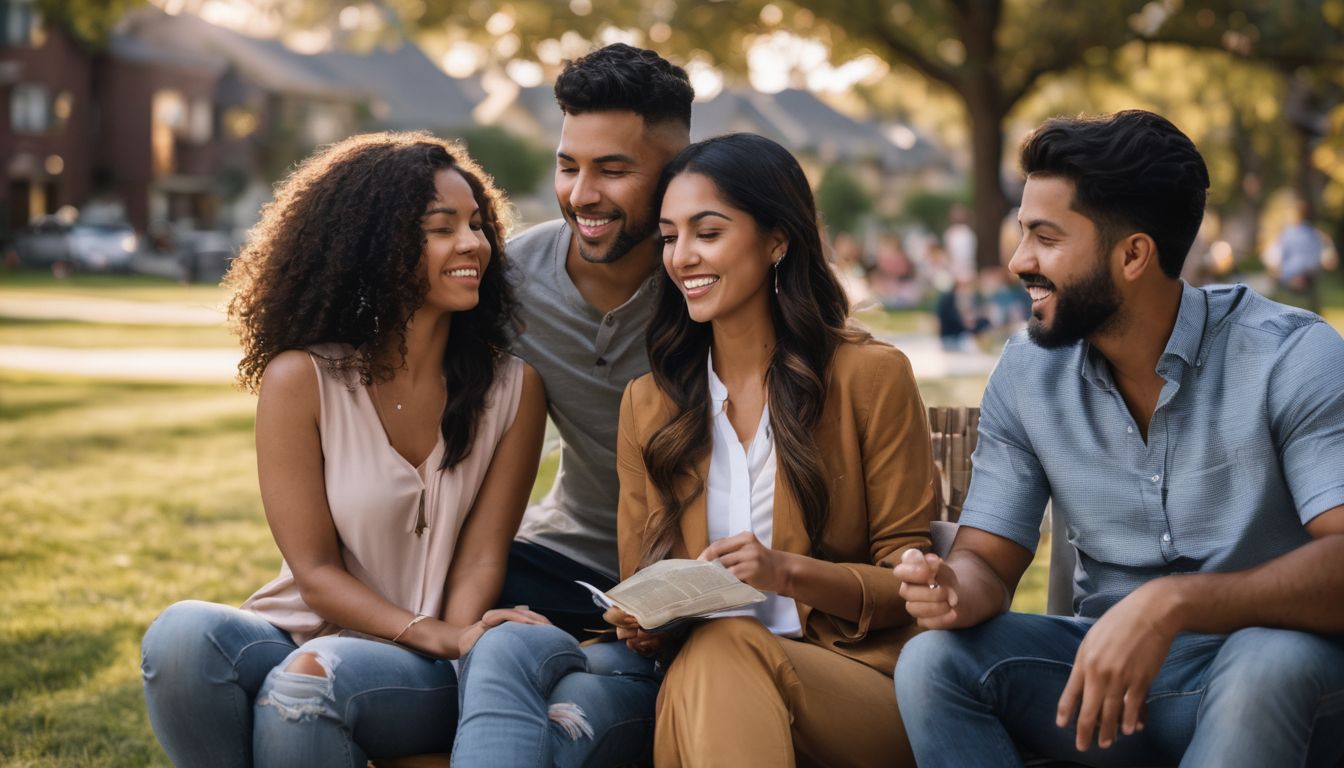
[(1133, 171), (622, 77)]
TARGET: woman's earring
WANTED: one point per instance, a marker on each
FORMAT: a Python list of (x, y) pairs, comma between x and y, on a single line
[(781, 258)]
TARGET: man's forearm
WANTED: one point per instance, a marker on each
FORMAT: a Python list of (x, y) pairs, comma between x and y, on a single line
[(1303, 589), (981, 594)]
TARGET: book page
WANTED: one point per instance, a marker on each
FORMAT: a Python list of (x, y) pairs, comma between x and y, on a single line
[(674, 589)]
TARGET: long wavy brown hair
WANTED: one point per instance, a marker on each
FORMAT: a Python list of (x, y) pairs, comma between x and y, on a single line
[(810, 314), (334, 259)]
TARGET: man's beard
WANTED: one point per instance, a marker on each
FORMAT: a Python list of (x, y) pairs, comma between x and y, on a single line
[(1082, 309), (625, 241)]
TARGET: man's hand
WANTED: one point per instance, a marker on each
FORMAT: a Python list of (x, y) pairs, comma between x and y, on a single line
[(929, 587), (493, 618), (1115, 665), (636, 638), (751, 561)]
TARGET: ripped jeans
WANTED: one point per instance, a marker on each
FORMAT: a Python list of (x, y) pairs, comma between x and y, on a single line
[(219, 694), (531, 696)]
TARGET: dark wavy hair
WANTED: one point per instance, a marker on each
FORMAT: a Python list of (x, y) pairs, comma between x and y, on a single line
[(620, 76), (334, 259), (810, 314), (1133, 171)]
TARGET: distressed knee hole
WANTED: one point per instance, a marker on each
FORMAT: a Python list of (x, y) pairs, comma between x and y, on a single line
[(303, 689), (571, 719), (308, 663)]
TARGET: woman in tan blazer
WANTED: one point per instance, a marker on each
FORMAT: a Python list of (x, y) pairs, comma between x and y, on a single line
[(754, 366), (772, 436)]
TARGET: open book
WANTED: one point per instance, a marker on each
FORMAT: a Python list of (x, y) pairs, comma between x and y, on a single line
[(672, 590)]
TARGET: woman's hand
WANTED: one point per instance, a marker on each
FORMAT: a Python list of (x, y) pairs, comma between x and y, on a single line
[(636, 638), (751, 561), (493, 618)]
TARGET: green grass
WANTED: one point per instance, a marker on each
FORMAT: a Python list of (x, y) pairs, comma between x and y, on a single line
[(79, 335), (119, 499), (123, 287), (894, 322)]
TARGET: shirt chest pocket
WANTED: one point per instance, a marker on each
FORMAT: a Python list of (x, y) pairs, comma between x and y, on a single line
[(1209, 508)]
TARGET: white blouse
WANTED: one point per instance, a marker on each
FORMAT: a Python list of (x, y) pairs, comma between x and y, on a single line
[(741, 497)]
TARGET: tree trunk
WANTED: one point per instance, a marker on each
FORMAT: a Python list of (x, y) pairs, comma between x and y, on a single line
[(986, 161), (982, 93)]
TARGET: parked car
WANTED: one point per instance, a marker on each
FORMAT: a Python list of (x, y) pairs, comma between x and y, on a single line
[(204, 255), (85, 246)]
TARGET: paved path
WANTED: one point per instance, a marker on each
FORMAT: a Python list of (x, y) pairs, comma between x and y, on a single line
[(146, 364)]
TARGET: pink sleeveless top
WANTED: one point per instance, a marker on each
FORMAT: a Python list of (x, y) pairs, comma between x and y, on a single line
[(375, 494)]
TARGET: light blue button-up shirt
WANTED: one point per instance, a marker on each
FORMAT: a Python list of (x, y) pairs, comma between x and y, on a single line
[(1246, 446)]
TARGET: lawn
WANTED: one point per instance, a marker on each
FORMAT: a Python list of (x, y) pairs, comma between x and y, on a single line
[(123, 287)]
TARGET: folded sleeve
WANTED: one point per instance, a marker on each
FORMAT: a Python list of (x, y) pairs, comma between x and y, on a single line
[(1009, 487)]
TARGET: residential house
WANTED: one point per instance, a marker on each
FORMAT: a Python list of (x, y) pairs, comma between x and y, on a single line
[(46, 117), (889, 163)]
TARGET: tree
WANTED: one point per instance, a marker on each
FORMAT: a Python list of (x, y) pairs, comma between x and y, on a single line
[(841, 200), (990, 53), (517, 166), (89, 21)]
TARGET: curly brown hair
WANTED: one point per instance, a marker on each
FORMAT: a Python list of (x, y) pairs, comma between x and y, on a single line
[(334, 259)]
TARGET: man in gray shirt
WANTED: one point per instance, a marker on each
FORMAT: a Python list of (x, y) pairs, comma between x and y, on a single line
[(585, 296)]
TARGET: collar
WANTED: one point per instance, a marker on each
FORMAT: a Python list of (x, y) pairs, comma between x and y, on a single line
[(1183, 346), (1187, 336), (718, 393)]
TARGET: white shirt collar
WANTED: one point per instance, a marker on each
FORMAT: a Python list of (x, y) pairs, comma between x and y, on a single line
[(718, 393)]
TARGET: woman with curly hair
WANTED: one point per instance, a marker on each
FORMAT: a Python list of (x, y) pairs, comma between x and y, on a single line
[(396, 444), (774, 437)]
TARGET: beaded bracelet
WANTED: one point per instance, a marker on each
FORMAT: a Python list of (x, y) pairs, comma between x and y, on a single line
[(419, 617)]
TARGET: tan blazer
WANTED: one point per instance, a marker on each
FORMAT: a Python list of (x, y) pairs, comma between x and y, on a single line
[(874, 442)]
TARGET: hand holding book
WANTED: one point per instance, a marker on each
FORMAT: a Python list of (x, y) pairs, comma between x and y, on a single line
[(672, 591)]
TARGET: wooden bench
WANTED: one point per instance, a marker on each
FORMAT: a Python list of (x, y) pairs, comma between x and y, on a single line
[(954, 432)]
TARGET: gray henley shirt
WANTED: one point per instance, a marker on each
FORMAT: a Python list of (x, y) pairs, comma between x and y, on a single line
[(585, 358)]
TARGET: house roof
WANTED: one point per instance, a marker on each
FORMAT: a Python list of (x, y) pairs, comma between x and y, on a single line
[(267, 63), (404, 89), (408, 90), (802, 122)]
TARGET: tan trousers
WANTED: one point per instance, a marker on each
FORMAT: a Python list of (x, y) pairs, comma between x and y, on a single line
[(736, 695)]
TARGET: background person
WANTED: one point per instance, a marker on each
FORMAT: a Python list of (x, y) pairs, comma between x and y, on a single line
[(1301, 248), (396, 443)]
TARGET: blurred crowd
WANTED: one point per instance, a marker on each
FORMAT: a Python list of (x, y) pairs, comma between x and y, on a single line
[(919, 269)]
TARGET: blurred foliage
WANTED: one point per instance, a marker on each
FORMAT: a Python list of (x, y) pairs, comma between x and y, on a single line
[(930, 209), (1263, 95), (89, 21), (517, 166), (843, 202)]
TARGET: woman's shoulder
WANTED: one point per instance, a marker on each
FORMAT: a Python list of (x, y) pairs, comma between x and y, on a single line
[(645, 402), (643, 391), (869, 360), (290, 372)]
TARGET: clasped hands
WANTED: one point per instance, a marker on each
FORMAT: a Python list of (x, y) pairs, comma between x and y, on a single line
[(1115, 664)]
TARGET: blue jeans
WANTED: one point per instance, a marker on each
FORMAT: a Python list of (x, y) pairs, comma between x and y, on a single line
[(531, 696), (1257, 697), (543, 580), (219, 694)]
